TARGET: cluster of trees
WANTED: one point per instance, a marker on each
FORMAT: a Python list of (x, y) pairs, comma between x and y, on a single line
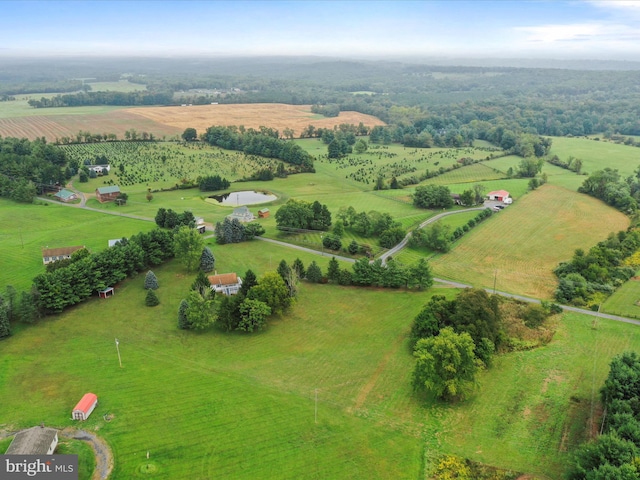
[(370, 224), (167, 218), (104, 98), (212, 183), (328, 110), (29, 168), (453, 339), (439, 236), (615, 453), (17, 307), (393, 274), (590, 277), (573, 164), (302, 215), (87, 273), (265, 143), (608, 186), (432, 196), (234, 231), (427, 133)]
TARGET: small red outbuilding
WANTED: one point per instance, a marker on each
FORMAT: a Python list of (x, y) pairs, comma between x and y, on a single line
[(85, 406)]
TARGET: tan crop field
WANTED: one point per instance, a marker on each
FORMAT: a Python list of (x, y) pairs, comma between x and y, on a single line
[(70, 123), (521, 246), (274, 115)]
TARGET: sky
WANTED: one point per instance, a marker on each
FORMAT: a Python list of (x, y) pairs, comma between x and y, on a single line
[(592, 29)]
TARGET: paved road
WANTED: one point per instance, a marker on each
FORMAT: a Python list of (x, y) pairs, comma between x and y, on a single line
[(405, 240), (387, 254)]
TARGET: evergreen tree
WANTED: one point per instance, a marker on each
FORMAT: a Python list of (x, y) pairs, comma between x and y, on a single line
[(152, 299), (229, 311), (207, 260), (284, 270), (183, 322), (298, 267), (201, 283), (151, 281), (249, 281), (333, 271), (353, 247), (5, 326), (314, 273)]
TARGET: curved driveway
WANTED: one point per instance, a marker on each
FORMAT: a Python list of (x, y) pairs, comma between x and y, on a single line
[(386, 255)]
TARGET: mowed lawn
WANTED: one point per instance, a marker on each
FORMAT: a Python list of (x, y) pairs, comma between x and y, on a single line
[(520, 246), (26, 229), (227, 405), (219, 405)]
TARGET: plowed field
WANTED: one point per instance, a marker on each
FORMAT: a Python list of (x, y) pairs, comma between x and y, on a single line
[(274, 115), (57, 126)]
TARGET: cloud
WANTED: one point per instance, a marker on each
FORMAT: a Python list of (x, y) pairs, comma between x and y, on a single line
[(617, 4)]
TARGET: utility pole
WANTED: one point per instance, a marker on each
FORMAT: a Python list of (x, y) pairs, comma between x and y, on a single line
[(118, 349), (495, 278), (316, 409)]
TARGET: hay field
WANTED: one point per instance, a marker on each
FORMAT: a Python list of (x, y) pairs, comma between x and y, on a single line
[(522, 245), (67, 122), (274, 115)]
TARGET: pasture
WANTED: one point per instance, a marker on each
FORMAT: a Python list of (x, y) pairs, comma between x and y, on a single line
[(26, 229), (243, 406), (597, 155), (520, 246)]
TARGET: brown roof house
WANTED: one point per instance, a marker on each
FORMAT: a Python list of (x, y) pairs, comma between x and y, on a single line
[(225, 283), (34, 441), (107, 194), (54, 254)]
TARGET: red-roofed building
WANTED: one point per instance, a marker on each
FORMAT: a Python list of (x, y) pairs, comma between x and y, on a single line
[(225, 283), (500, 196), (85, 406)]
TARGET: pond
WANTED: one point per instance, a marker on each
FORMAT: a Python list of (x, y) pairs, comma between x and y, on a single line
[(247, 197)]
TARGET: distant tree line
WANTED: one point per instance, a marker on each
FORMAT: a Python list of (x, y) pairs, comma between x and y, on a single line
[(588, 278), (264, 143), (104, 98)]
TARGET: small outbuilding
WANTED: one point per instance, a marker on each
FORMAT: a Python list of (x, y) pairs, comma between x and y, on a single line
[(106, 293), (499, 196), (263, 213), (65, 195), (85, 406), (225, 283), (200, 225), (107, 194), (34, 441)]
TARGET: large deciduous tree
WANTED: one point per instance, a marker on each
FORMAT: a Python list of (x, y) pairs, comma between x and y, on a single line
[(432, 196), (272, 290), (446, 365), (188, 245)]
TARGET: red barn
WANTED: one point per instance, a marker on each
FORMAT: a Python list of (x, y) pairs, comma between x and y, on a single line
[(85, 406)]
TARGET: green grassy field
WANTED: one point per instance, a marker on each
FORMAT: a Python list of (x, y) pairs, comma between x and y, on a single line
[(596, 155), (243, 406), (26, 229), (521, 245), (625, 300)]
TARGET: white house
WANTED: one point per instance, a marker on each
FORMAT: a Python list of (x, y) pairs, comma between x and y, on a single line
[(54, 254), (242, 213), (225, 283)]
